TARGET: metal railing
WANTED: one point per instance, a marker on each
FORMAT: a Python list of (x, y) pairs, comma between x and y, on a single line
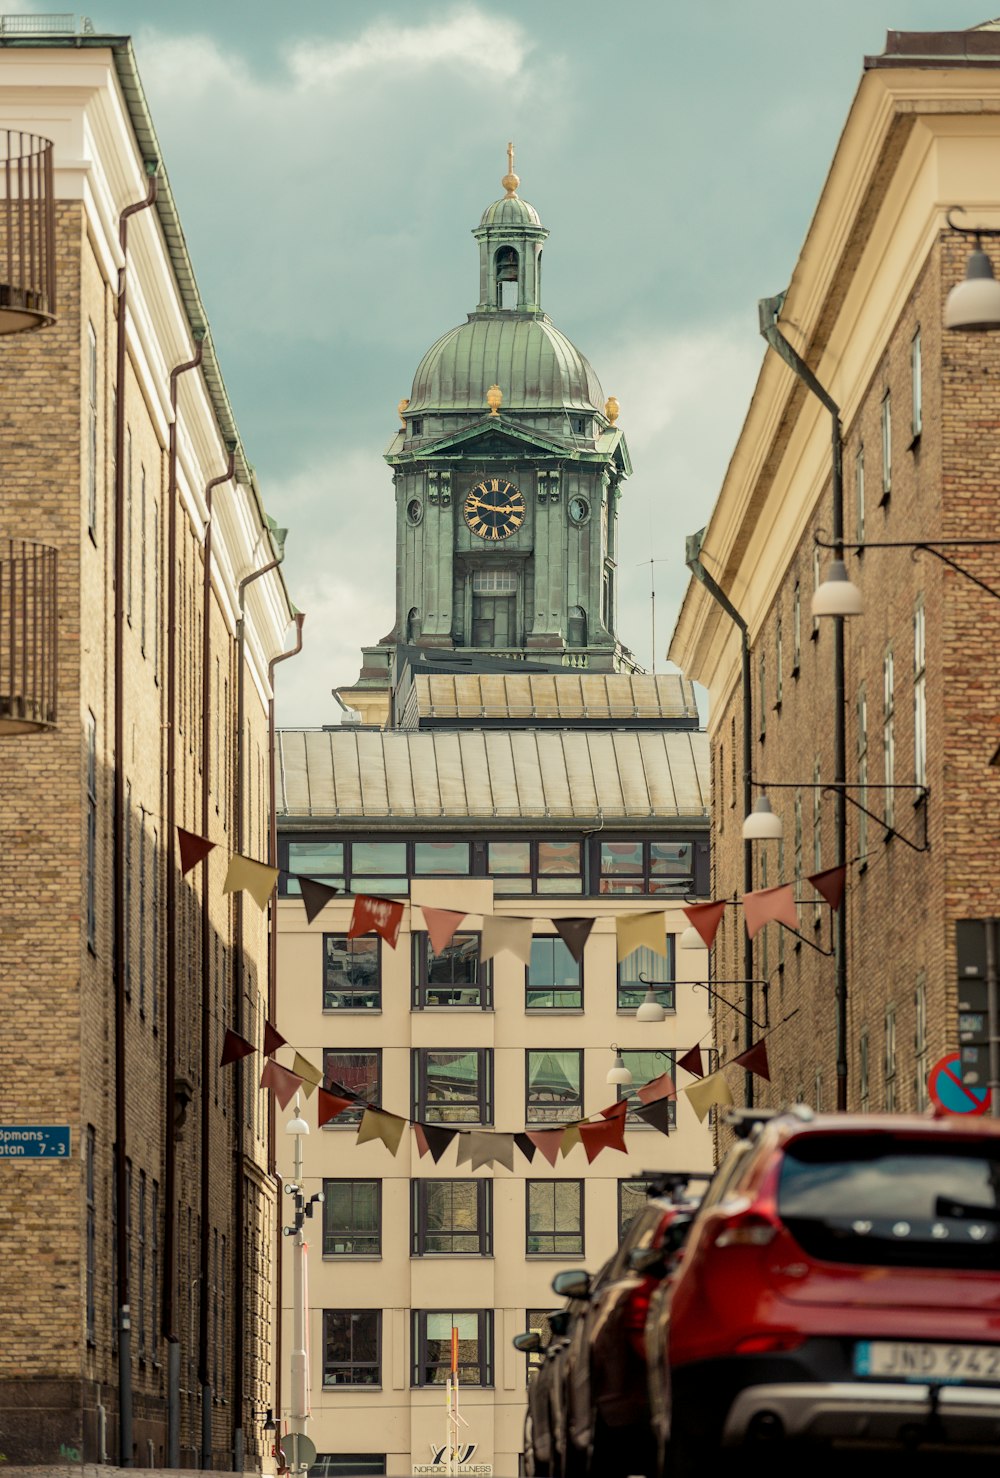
[(28, 636), (53, 24), (27, 232)]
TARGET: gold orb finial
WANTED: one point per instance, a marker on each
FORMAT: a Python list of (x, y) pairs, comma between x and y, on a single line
[(612, 409), (401, 407), (494, 399), (510, 180)]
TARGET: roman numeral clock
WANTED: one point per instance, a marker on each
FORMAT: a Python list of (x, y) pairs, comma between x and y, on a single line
[(494, 509)]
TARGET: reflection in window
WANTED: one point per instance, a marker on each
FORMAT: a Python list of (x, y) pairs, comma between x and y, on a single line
[(352, 1218), (509, 857), (352, 979), (440, 859), (558, 858), (379, 858), (554, 977), (553, 1089), (351, 1339), (644, 1067), (431, 1344), (453, 1087), (651, 966), (323, 860), (632, 1198), (452, 1217), (454, 977), (353, 1075), (555, 1216), (647, 867)]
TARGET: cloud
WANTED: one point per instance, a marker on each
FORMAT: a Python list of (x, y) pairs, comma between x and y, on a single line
[(467, 39)]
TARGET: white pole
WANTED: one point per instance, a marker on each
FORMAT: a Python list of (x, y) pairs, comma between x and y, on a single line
[(299, 1383)]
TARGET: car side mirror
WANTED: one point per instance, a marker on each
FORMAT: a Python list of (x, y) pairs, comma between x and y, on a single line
[(559, 1322), (648, 1260), (528, 1343), (572, 1283)]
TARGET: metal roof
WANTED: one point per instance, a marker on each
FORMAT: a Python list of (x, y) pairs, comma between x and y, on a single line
[(557, 697), (513, 774)]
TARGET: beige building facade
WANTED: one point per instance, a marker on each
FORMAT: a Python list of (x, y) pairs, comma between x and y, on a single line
[(920, 412), (142, 1262)]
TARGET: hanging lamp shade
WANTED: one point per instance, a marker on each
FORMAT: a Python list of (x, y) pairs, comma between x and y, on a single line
[(650, 1008), (618, 1072), (838, 595), (974, 303), (762, 825), (689, 938)]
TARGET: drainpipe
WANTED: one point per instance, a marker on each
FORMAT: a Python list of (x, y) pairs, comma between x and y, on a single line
[(698, 570), (206, 965), (768, 309), (170, 1002), (272, 1001), (123, 1312), (238, 1099)]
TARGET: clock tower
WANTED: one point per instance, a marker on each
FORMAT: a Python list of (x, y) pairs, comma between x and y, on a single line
[(508, 469)]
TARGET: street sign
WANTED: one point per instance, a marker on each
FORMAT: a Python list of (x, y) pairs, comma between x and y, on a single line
[(298, 1450), (34, 1142), (975, 1065), (973, 1028), (970, 947), (950, 1093)]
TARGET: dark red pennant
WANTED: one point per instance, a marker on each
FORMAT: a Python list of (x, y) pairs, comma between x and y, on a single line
[(574, 933), (705, 918), (656, 1113), (193, 848), (272, 1039), (526, 1147), (661, 1087), (830, 885), (691, 1062), (315, 896), (421, 1138), (234, 1047), (282, 1083), (754, 1059), (549, 1141), (329, 1105), (609, 1135), (615, 1110), (438, 1139), (381, 916)]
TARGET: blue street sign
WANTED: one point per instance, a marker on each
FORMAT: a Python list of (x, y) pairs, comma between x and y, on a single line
[(34, 1142), (946, 1088)]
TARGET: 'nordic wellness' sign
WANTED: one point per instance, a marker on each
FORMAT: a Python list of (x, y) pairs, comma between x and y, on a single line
[(34, 1141)]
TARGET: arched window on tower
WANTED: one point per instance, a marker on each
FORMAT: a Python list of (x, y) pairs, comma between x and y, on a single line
[(414, 626), (507, 270), (576, 627)]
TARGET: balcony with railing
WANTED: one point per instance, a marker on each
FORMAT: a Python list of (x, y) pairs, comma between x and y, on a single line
[(27, 232), (28, 637)]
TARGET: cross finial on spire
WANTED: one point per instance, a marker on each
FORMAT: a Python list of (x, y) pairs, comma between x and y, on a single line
[(510, 180)]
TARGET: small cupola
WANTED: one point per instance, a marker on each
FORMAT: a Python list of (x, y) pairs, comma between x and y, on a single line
[(510, 237)]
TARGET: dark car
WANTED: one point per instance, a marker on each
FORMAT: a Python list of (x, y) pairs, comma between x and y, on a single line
[(839, 1288), (604, 1368), (541, 1455)]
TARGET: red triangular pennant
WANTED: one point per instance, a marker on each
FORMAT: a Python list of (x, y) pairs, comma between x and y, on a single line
[(234, 1047), (316, 896), (705, 919), (609, 1135), (549, 1141), (272, 1039), (615, 1110), (282, 1083), (329, 1105), (421, 1138), (770, 906), (381, 916), (754, 1059), (656, 1088), (193, 848), (691, 1062), (441, 925), (830, 885), (574, 933)]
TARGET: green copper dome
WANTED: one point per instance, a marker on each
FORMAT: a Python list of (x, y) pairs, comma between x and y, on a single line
[(510, 211), (534, 364)]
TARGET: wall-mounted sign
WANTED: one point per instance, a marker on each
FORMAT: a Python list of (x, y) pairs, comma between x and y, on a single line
[(34, 1142)]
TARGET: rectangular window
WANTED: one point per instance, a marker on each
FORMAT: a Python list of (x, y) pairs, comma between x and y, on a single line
[(550, 867), (156, 591), (353, 1075), (128, 889), (505, 859), (216, 1332), (441, 859), (451, 1218), (553, 1085), (817, 831), (859, 495), (646, 963), (91, 1172), (890, 1059), (91, 830), (348, 1465), (554, 1217), (321, 860), (380, 859), (644, 1067), (762, 696), (864, 1079), (114, 1249), (453, 1087), (142, 558), (817, 580), (142, 913), (538, 1320), (92, 431), (886, 447), (796, 630), (352, 1354), (632, 1198), (862, 771), (554, 980), (154, 983), (798, 844), (454, 977), (352, 973), (888, 735), (223, 1302), (917, 421), (352, 1218), (646, 867), (431, 1346), (129, 524), (920, 1045), (778, 676), (142, 1265), (919, 695)]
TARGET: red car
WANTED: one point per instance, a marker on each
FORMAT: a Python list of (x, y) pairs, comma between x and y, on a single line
[(839, 1287)]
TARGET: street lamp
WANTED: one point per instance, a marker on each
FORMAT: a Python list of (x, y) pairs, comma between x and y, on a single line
[(298, 1127), (974, 303), (689, 938), (618, 1073), (649, 1008), (762, 825), (838, 595)]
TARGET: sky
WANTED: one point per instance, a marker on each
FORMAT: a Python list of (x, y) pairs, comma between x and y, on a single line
[(329, 161)]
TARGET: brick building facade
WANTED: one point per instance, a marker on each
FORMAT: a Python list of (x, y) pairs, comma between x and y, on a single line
[(920, 410), (77, 1002)]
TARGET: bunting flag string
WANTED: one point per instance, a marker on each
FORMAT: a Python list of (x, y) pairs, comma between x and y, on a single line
[(272, 1040), (234, 1047), (382, 916), (193, 848), (315, 897), (754, 1060), (441, 926), (282, 1083), (705, 918), (574, 933), (256, 878), (770, 905), (829, 884)]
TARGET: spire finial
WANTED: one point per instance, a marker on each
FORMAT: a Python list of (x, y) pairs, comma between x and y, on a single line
[(510, 180)]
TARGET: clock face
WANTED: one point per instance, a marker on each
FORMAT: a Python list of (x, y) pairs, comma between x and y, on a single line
[(494, 509)]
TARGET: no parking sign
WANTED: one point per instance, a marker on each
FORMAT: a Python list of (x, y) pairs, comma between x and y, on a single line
[(952, 1096)]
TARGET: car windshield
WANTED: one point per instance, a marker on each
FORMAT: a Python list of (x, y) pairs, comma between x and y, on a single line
[(875, 1199)]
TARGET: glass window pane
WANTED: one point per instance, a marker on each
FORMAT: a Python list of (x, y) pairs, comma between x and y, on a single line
[(554, 1079), (632, 1195), (558, 886), (381, 887), (452, 1088), (653, 966), (458, 962), (555, 1216), (352, 973), (553, 977), (644, 1066), (676, 858), (358, 1073), (378, 857), (509, 857), (316, 858), (440, 859), (559, 857), (621, 857)]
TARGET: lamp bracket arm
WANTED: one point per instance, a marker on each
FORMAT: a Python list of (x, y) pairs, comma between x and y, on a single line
[(890, 831), (976, 231)]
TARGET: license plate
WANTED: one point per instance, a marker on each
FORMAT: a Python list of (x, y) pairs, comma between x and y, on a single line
[(910, 1361)]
